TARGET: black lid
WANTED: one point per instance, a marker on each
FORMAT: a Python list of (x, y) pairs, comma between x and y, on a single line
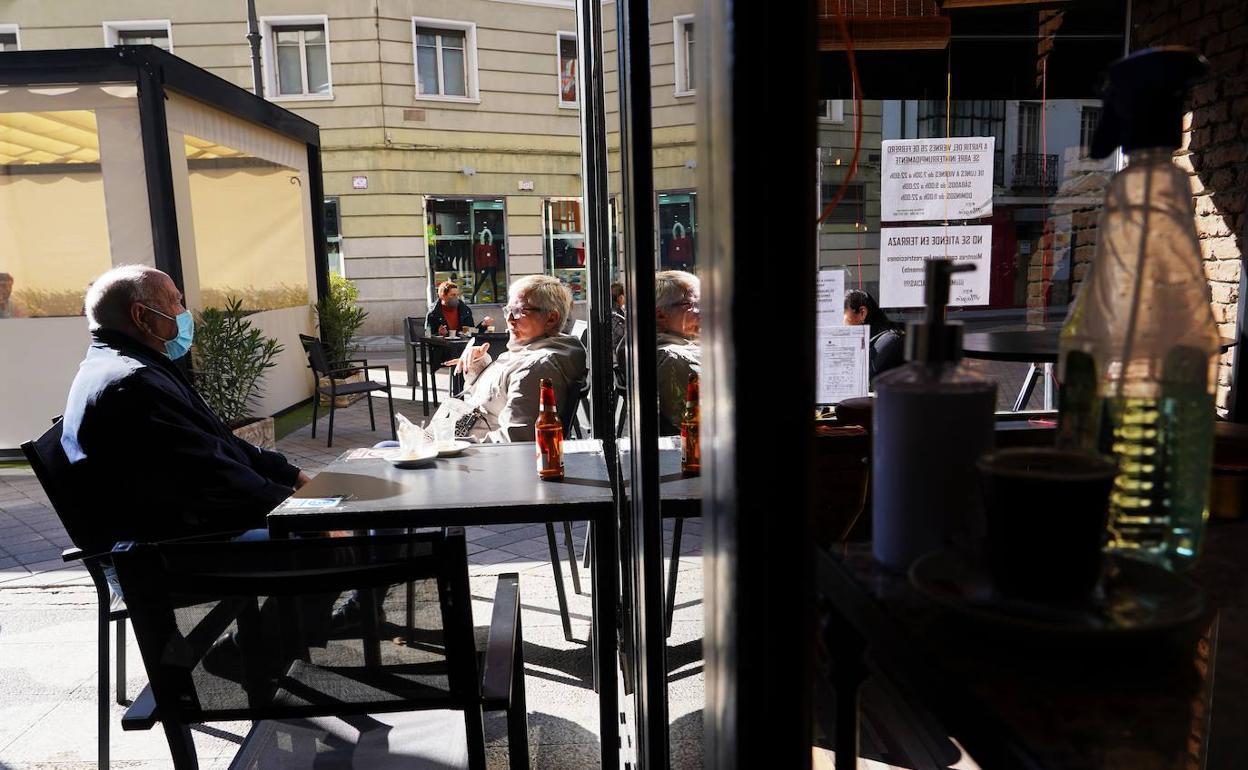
[(1143, 100), (935, 340)]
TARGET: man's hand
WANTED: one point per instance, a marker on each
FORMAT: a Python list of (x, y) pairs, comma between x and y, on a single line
[(442, 330), (301, 479), (470, 356), (485, 322)]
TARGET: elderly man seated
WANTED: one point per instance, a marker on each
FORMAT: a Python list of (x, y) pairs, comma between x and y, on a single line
[(678, 319), (135, 427), (505, 390)]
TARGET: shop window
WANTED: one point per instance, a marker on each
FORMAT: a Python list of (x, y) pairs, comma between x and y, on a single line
[(832, 110), (567, 69), (9, 38), (246, 212), (466, 240), (333, 235), (49, 175), (563, 244), (445, 59), (682, 39), (678, 228), (157, 33), (297, 57), (971, 117)]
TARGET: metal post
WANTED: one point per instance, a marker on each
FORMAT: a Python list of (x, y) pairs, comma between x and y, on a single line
[(253, 37)]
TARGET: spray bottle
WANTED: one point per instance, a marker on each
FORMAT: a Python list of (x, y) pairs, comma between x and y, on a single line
[(1139, 351)]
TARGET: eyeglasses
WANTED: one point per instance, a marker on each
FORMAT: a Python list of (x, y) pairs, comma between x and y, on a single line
[(519, 311), (689, 305)]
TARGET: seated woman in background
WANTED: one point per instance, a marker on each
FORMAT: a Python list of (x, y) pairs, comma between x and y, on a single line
[(888, 349), (450, 312), (506, 389)]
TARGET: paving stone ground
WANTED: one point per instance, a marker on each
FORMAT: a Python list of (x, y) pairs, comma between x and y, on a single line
[(48, 638)]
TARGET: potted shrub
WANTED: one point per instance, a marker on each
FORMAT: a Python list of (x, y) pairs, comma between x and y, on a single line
[(230, 359), (340, 319)]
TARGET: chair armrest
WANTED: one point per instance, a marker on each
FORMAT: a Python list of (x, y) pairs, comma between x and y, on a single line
[(72, 554), (500, 645), (346, 362), (142, 712), (340, 373)]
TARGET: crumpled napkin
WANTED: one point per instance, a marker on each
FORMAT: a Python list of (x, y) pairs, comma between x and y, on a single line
[(415, 443)]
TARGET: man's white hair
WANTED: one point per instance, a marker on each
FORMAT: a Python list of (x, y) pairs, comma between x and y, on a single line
[(672, 287), (111, 295), (544, 292)]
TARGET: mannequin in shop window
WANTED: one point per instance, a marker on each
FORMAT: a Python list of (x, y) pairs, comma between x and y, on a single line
[(888, 347), (678, 318), (679, 248), (485, 262)]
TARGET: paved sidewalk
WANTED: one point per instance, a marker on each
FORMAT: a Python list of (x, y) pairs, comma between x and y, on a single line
[(48, 639)]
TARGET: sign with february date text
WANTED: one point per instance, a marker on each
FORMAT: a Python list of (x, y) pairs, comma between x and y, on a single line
[(926, 180), (904, 252), (842, 363)]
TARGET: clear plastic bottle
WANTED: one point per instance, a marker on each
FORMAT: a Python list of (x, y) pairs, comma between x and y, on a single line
[(1139, 350)]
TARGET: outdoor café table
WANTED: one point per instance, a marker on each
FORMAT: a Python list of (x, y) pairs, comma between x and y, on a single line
[(1021, 699), (487, 484), (1038, 347)]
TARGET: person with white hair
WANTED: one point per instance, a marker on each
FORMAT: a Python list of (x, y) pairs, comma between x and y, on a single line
[(134, 423), (505, 391), (678, 320)]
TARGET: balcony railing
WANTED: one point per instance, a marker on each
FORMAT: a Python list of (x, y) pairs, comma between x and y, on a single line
[(1034, 173)]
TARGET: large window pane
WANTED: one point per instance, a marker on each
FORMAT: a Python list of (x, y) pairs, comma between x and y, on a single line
[(678, 225), (456, 82), (567, 69), (289, 75), (249, 221), (53, 227), (564, 245), (467, 244), (427, 67), (318, 68)]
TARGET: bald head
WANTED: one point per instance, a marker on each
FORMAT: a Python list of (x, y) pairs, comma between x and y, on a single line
[(111, 295)]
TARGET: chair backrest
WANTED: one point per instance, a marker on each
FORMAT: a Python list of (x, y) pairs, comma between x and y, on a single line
[(318, 354), (276, 597), (579, 328), (51, 466), (413, 329), (569, 405)]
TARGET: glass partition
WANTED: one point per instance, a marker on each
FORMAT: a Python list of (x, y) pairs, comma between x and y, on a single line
[(250, 228), (563, 244), (54, 235)]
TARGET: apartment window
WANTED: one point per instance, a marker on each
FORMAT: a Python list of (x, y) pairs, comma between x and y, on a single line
[(1088, 118), (158, 33), (567, 69), (297, 57), (8, 38), (851, 209), (682, 38), (333, 235), (445, 59), (832, 110)]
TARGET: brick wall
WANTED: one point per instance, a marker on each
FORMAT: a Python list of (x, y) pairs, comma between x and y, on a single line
[(1215, 140)]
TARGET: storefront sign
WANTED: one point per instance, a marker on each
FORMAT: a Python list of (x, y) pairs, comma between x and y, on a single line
[(926, 180), (842, 365), (905, 250)]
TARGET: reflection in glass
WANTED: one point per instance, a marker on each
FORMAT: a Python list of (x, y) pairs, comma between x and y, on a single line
[(249, 224), (53, 226), (678, 316), (678, 229), (564, 244), (466, 239)]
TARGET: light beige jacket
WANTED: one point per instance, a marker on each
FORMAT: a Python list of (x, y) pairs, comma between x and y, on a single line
[(508, 387), (677, 357)]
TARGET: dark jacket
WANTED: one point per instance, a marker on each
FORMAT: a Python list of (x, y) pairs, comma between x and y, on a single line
[(888, 349), (436, 319), (149, 455)]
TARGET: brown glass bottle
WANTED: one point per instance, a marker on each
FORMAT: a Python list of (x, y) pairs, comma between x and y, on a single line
[(548, 431), (691, 431)]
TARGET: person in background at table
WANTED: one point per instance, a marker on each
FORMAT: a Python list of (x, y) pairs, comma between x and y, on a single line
[(619, 321), (678, 318), (888, 348), (451, 312), (9, 307), (506, 389)]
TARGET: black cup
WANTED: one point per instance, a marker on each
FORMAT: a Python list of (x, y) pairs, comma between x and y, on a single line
[(1045, 521)]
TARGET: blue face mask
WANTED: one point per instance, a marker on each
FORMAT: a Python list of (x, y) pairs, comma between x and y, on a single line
[(180, 344)]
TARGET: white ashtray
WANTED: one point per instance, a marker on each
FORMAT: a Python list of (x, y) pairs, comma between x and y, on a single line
[(452, 448)]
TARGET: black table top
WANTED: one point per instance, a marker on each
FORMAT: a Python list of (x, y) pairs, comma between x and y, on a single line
[(487, 484), (1146, 704), (1027, 346)]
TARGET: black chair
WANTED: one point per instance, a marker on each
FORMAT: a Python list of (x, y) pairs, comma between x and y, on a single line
[(413, 333), (321, 366), (50, 465), (225, 634)]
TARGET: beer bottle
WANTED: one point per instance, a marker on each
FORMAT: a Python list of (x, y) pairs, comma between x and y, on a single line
[(549, 435), (690, 431)]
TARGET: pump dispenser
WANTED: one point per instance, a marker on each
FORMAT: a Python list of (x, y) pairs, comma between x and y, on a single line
[(1139, 350), (933, 418)]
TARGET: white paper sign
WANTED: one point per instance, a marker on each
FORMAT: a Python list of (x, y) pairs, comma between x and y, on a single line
[(936, 179), (904, 252), (829, 298), (843, 364)]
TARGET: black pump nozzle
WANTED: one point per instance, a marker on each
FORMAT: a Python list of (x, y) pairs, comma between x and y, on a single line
[(935, 340), (1143, 101)]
